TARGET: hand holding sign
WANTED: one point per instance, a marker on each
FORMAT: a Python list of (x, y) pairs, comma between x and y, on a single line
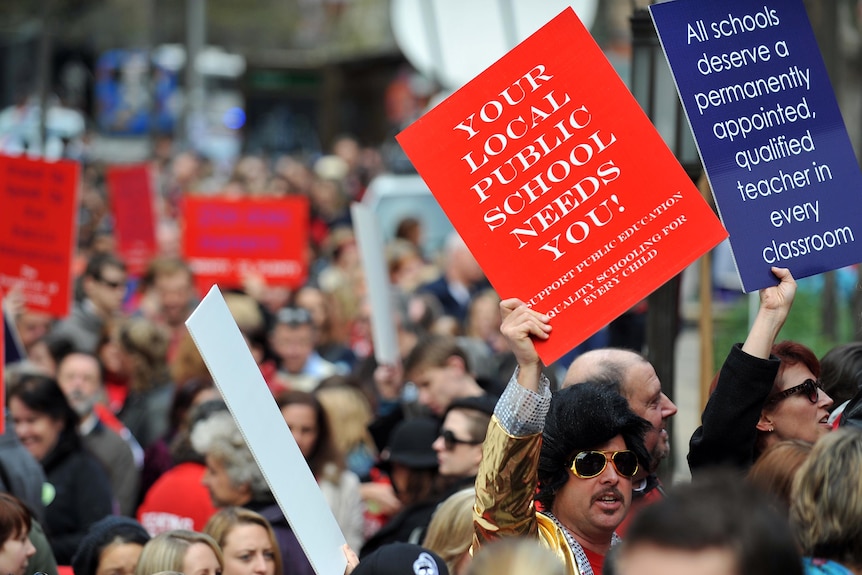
[(521, 327)]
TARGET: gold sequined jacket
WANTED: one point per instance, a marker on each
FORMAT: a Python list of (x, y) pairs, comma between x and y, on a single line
[(505, 490)]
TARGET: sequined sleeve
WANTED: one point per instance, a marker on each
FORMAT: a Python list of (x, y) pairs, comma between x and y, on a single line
[(505, 486), (521, 411), (507, 478)]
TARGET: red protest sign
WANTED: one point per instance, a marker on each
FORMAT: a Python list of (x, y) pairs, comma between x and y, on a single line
[(225, 240), (131, 189), (560, 185), (37, 231), (2, 375)]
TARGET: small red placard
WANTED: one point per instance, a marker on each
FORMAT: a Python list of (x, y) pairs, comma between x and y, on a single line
[(38, 202), (131, 190), (225, 240)]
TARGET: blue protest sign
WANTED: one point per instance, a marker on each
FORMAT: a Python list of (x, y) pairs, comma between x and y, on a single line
[(770, 134)]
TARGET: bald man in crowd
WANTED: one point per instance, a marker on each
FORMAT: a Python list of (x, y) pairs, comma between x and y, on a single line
[(640, 386)]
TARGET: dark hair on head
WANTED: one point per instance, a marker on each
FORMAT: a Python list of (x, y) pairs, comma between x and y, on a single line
[(428, 309), (422, 486), (61, 347), (101, 534), (434, 351), (583, 417), (478, 411), (324, 451), (718, 511), (42, 394), (184, 396), (99, 366), (98, 262), (841, 371), (407, 228), (15, 518), (181, 447)]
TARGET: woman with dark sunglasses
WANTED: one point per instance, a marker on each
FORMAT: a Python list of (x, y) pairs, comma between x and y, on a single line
[(764, 393)]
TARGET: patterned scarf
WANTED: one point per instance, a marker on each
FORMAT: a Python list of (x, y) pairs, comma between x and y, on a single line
[(584, 567)]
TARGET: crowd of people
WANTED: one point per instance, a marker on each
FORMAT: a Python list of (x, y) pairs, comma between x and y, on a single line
[(469, 456)]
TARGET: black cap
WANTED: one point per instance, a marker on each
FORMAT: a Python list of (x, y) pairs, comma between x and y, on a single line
[(101, 534), (401, 559), (484, 403), (410, 444)]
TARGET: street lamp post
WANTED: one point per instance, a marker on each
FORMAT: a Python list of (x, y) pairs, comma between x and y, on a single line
[(195, 94), (653, 87)]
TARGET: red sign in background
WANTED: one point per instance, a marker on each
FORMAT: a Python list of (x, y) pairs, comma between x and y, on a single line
[(131, 189), (2, 376), (226, 240), (559, 184), (38, 202)]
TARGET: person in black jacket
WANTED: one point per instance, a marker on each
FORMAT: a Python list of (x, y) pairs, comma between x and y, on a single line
[(76, 492), (764, 393), (411, 463)]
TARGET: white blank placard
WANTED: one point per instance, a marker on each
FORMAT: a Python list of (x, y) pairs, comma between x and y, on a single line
[(371, 250), (240, 382)]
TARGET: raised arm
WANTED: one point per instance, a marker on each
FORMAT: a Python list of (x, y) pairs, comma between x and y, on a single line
[(507, 478), (775, 302), (728, 433)]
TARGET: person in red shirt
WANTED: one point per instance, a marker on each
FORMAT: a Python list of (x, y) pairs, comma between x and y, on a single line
[(178, 499)]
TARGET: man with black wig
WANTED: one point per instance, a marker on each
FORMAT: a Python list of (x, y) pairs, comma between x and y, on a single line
[(580, 448)]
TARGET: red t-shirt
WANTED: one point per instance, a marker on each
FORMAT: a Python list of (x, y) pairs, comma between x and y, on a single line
[(177, 500), (597, 562)]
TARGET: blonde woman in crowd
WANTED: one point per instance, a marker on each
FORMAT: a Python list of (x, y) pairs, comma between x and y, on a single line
[(450, 532), (349, 412), (773, 472), (247, 542), (181, 550), (826, 505), (510, 556)]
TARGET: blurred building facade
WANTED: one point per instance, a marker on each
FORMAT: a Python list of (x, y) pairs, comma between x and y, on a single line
[(313, 68)]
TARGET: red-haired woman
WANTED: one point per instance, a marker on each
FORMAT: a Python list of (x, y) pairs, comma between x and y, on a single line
[(765, 392)]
